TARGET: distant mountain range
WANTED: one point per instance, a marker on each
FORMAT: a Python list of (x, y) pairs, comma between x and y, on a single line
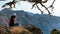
[(43, 21)]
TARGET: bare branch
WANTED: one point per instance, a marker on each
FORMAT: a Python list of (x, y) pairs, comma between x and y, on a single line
[(46, 8), (10, 4), (39, 9), (51, 6), (33, 6)]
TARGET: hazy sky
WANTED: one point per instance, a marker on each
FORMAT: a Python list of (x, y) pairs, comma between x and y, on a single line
[(26, 6)]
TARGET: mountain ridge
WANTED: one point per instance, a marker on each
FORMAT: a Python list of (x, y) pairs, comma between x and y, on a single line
[(43, 21)]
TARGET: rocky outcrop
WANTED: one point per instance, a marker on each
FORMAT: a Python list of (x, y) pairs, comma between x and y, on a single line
[(33, 29)]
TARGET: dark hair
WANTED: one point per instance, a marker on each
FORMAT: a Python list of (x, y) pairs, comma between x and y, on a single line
[(11, 21)]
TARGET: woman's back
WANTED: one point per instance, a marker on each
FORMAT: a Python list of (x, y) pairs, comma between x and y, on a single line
[(12, 21)]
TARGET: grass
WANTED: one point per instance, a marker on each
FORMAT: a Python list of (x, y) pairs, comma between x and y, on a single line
[(14, 30)]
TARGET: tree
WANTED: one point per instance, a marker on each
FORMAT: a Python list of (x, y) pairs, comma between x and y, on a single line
[(35, 3)]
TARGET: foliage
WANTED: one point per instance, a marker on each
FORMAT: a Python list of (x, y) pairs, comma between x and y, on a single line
[(55, 31)]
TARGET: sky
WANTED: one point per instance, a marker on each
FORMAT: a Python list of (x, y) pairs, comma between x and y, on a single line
[(26, 6)]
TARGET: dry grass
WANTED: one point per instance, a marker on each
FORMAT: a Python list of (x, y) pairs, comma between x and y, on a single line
[(14, 30)]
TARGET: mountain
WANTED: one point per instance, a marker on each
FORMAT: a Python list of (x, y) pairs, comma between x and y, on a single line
[(45, 22)]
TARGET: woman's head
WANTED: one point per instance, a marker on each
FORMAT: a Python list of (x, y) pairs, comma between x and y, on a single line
[(13, 19)]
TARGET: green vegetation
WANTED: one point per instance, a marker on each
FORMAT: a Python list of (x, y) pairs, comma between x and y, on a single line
[(55, 31)]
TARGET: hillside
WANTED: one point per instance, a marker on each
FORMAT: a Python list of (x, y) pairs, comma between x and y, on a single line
[(14, 30), (43, 21)]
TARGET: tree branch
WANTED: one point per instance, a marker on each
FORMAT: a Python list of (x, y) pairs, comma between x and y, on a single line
[(46, 8)]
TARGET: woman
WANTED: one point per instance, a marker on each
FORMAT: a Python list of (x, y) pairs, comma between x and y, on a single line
[(12, 21)]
